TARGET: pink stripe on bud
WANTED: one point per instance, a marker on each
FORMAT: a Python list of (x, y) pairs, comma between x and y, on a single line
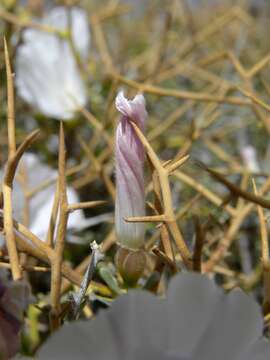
[(129, 158)]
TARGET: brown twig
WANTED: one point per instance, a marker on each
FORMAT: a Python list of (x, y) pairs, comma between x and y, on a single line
[(231, 232), (265, 256), (53, 217), (85, 205), (199, 241), (168, 217), (235, 190), (180, 94), (7, 186), (61, 232)]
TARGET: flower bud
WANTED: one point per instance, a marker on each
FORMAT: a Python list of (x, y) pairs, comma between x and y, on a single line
[(129, 159), (130, 264)]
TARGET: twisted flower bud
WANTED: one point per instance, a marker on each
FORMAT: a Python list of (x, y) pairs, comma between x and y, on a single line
[(129, 158)]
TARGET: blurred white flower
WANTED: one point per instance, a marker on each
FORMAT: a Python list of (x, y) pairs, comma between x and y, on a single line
[(40, 205), (249, 157), (47, 75)]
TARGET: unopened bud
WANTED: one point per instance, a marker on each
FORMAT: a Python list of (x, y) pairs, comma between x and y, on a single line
[(130, 264), (129, 161)]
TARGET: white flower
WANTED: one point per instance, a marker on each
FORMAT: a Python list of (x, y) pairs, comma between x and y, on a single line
[(249, 156), (47, 75), (40, 205)]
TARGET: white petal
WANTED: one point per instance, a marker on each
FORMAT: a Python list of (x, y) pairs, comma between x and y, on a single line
[(47, 76), (40, 224), (41, 203)]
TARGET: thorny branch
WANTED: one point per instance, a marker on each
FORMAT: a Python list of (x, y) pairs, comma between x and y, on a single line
[(238, 90)]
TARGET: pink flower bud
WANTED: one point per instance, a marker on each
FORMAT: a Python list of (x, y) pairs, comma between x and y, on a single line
[(129, 158)]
